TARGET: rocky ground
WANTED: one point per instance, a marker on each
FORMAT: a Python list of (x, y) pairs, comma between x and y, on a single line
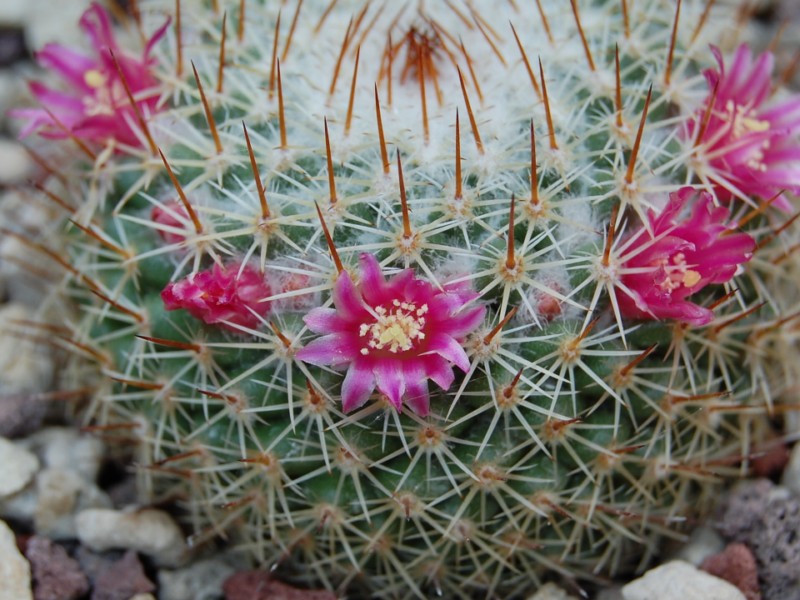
[(73, 528)]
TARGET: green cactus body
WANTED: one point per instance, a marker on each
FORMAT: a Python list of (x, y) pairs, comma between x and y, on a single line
[(577, 436)]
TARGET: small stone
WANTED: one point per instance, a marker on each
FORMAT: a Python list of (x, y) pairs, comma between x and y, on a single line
[(65, 448), (62, 494), (12, 45), (737, 565), (21, 413), (15, 571), (143, 597), (550, 591), (678, 580), (258, 585), (56, 576), (791, 475), (151, 532), (17, 468), (199, 581), (703, 542), (15, 164), (123, 580), (770, 461), (24, 366)]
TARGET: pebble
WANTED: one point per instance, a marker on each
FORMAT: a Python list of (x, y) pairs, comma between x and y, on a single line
[(15, 571), (258, 585), (24, 366), (122, 580), (201, 580), (61, 495), (56, 576), (15, 164), (703, 542), (64, 448), (550, 591), (678, 580), (737, 565), (791, 475), (149, 531), (17, 468)]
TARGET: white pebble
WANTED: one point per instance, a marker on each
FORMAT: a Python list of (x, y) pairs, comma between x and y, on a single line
[(199, 581), (15, 164), (67, 449), (151, 532), (791, 474), (15, 572), (17, 468), (550, 591), (61, 495), (678, 580), (703, 542)]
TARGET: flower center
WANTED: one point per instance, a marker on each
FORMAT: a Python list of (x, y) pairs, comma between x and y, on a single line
[(397, 328), (742, 123), (678, 273), (94, 78)]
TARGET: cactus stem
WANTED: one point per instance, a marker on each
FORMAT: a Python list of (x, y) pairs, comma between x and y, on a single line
[(526, 62), (281, 113), (389, 65), (702, 21), (673, 39), (423, 101), (221, 66), (345, 41), (290, 35), (476, 134), (618, 95), (349, 119), (585, 44), (329, 158), (334, 254), (545, 23), (496, 329), (178, 41), (381, 138), (551, 130), (626, 23), (136, 110), (46, 251), (776, 232), (472, 74), (142, 385), (534, 178), (739, 317), (262, 196), (54, 197), (635, 151), (701, 131), (198, 227), (324, 16), (46, 166), (78, 142), (754, 212), (197, 348), (284, 340), (459, 192), (511, 259), (488, 39), (788, 73), (407, 232), (274, 59), (212, 124), (240, 28), (125, 254)]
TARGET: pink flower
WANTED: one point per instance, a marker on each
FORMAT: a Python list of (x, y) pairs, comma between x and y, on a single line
[(96, 107), (748, 146), (392, 334), (221, 295), (683, 255)]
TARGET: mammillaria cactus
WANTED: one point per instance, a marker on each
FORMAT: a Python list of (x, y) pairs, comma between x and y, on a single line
[(292, 216)]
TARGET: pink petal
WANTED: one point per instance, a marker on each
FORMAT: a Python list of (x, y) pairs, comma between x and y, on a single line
[(416, 388), (389, 375), (357, 386), (325, 320), (448, 348), (332, 350), (439, 370)]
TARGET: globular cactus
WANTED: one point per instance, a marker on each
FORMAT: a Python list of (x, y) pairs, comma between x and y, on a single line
[(427, 297)]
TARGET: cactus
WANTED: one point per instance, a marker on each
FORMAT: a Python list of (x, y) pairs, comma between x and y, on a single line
[(426, 298)]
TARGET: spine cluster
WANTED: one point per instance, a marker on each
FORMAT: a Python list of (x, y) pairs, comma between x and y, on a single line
[(426, 297)]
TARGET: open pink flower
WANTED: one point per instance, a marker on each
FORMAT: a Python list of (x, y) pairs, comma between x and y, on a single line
[(96, 107), (221, 295), (682, 256), (749, 147), (392, 334)]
